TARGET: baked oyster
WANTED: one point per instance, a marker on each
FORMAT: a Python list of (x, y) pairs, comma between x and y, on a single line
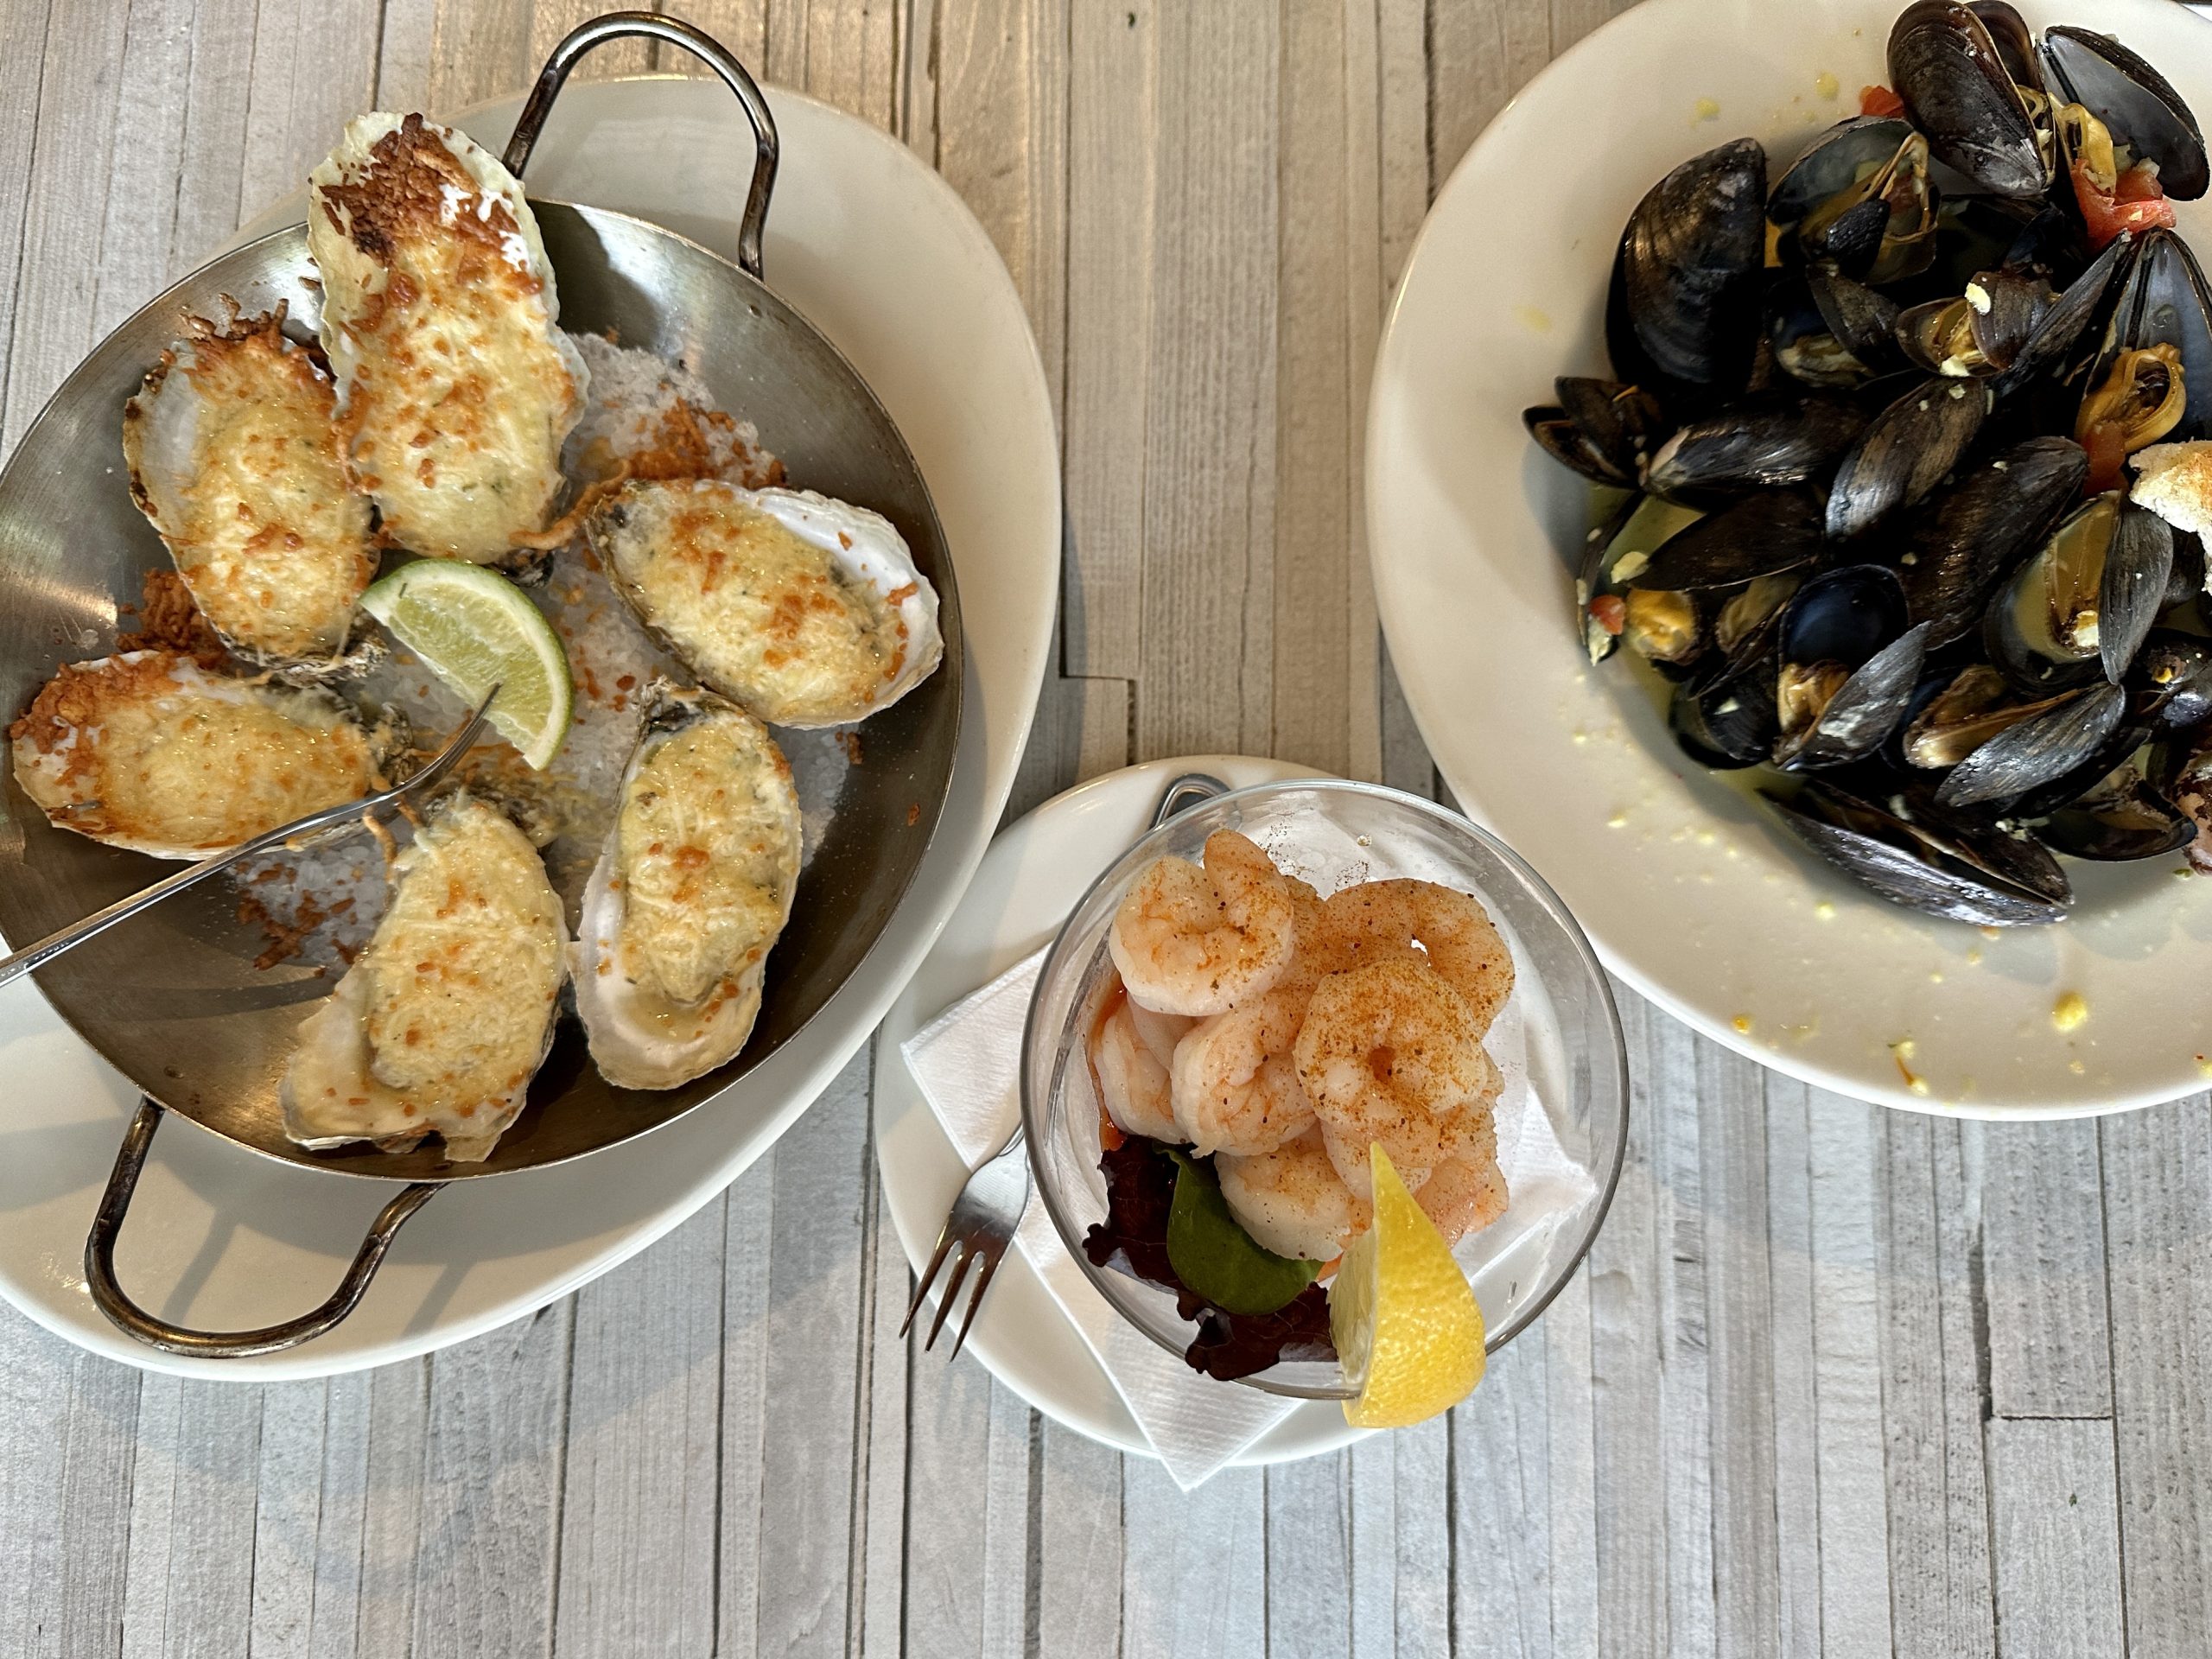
[(694, 886), (235, 459), (150, 751), (805, 610), (447, 1013), (455, 390)]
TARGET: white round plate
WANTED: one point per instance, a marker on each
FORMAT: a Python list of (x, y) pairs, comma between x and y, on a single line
[(1026, 886), (880, 254), (1690, 895)]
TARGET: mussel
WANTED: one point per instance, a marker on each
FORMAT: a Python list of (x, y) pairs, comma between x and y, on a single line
[(1903, 454), (1860, 197), (1928, 861), (1981, 333), (2170, 683), (2119, 817), (1683, 317), (2083, 603), (1615, 556), (2153, 376), (1963, 543), (1759, 443), (1603, 430), (1959, 92), (2058, 736), (2132, 100), (1847, 664)]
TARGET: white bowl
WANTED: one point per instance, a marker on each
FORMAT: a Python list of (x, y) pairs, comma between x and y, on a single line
[(1688, 893)]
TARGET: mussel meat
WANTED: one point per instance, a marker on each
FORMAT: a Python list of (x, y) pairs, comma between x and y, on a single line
[(2084, 602)]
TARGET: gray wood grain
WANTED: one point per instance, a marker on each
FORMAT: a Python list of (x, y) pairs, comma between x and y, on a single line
[(2055, 1538), (1835, 1381)]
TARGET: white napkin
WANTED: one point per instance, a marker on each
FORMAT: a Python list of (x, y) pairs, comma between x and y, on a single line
[(967, 1061)]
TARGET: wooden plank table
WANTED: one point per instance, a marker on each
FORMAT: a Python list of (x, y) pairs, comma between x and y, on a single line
[(1835, 1380)]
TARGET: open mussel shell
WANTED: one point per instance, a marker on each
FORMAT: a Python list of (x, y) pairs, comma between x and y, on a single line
[(1764, 442), (2134, 100), (2170, 683), (1861, 196), (1929, 862), (1762, 535), (1962, 543), (1826, 330), (2082, 606), (2121, 818), (1723, 714), (1983, 330), (2163, 302), (1684, 302), (2065, 326), (2059, 736), (1848, 666), (1603, 430), (1903, 454), (1959, 94), (1615, 556)]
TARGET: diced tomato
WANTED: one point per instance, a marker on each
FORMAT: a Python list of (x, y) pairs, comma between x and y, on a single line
[(1879, 100), (2137, 203), (1610, 611), (2108, 457)]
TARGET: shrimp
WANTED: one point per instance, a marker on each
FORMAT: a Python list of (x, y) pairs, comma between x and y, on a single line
[(1363, 923), (1388, 1052), (1291, 1200), (1193, 940), (1461, 1195), (1236, 1087), (1131, 1082), (1159, 1031)]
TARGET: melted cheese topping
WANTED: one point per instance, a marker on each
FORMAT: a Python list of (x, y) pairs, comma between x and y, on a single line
[(150, 751), (234, 458), (444, 1019), (762, 614), (465, 963), (455, 392), (708, 854)]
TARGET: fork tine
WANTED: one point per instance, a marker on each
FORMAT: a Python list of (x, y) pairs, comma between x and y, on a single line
[(928, 1275), (450, 757), (974, 1300), (952, 1290)]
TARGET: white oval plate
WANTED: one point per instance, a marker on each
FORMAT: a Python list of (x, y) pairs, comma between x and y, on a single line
[(1026, 887), (880, 255), (1689, 894)]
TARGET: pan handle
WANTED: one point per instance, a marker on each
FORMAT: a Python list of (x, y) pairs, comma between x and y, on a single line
[(99, 1264), (615, 26)]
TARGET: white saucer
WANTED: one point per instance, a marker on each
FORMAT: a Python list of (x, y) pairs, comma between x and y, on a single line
[(878, 253), (1024, 889)]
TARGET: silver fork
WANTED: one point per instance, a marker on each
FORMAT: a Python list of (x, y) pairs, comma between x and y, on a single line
[(38, 955), (990, 1204)]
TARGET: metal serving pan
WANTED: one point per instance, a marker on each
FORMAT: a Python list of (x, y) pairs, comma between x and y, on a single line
[(173, 1000)]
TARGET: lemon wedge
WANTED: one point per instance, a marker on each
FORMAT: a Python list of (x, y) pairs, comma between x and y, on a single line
[(474, 630), (1404, 1321)]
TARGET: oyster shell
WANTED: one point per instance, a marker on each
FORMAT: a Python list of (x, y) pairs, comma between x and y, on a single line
[(150, 751), (454, 389), (694, 886), (235, 461), (806, 611), (447, 1015)]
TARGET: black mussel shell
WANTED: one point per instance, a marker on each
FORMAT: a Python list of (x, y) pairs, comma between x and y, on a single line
[(2108, 558), (2170, 683), (1723, 714), (1687, 280), (1960, 874), (2014, 40), (2125, 739), (2164, 301), (1804, 345), (1957, 91), (1848, 622), (1982, 332), (2134, 100), (1688, 273), (1759, 443), (1858, 719), (2043, 746), (2121, 817), (1963, 543), (2066, 325), (1864, 320), (1603, 430), (2186, 580), (1904, 453), (1844, 616), (1869, 238), (1762, 535)]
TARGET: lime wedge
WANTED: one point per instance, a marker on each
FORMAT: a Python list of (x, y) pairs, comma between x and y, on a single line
[(476, 629)]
